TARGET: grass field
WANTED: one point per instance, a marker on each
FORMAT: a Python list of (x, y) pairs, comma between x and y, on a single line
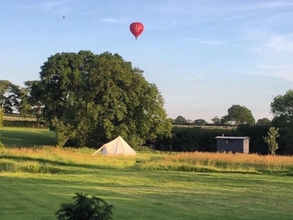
[(34, 181), (149, 195), (26, 137)]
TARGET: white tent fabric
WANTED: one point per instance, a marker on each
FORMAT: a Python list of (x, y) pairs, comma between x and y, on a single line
[(116, 147)]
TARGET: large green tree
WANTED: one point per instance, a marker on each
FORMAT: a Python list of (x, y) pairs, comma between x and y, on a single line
[(9, 96), (240, 115), (89, 99), (282, 109), (15, 99)]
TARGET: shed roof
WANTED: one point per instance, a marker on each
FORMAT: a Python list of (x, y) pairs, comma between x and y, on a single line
[(231, 137)]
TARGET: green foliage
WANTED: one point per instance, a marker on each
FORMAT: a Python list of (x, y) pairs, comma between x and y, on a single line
[(180, 120), (195, 139), (282, 108), (273, 133), (263, 121), (85, 208), (24, 107), (199, 139), (95, 98), (9, 96), (30, 103), (255, 133), (216, 120), (240, 115), (63, 131), (200, 122)]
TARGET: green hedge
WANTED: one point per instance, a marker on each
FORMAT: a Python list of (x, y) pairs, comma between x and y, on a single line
[(199, 139)]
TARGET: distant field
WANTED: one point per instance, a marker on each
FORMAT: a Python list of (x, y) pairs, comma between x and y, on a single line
[(15, 117), (26, 137)]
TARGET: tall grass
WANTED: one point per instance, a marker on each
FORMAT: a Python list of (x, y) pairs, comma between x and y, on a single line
[(11, 166), (194, 162), (222, 162), (65, 156)]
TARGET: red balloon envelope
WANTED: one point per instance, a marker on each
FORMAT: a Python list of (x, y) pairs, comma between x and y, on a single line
[(136, 29)]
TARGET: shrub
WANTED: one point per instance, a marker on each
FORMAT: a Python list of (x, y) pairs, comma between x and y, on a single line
[(85, 208)]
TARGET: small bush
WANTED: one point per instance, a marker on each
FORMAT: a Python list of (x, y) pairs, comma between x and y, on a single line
[(85, 208)]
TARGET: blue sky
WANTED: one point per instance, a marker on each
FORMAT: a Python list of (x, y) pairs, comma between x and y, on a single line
[(203, 55)]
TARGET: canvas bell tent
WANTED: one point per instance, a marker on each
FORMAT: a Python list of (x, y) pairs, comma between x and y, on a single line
[(116, 147)]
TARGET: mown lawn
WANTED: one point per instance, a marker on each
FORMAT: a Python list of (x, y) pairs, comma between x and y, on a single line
[(138, 194)]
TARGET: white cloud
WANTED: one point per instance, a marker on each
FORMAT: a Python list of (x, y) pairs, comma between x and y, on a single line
[(278, 71), (193, 78), (212, 42), (281, 43), (50, 5), (206, 42), (113, 21), (59, 7), (269, 43), (272, 52), (274, 4)]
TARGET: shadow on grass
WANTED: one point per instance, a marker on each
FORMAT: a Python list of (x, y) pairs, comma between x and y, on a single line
[(22, 138), (52, 162)]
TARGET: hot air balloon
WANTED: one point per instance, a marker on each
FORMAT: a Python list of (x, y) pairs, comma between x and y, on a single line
[(136, 28)]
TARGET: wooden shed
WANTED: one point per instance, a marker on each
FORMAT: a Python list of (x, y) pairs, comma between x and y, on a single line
[(233, 144)]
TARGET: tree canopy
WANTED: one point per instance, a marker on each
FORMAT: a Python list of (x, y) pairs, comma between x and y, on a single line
[(180, 120), (9, 96), (89, 99), (282, 109), (200, 122), (240, 115), (263, 121), (216, 120)]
